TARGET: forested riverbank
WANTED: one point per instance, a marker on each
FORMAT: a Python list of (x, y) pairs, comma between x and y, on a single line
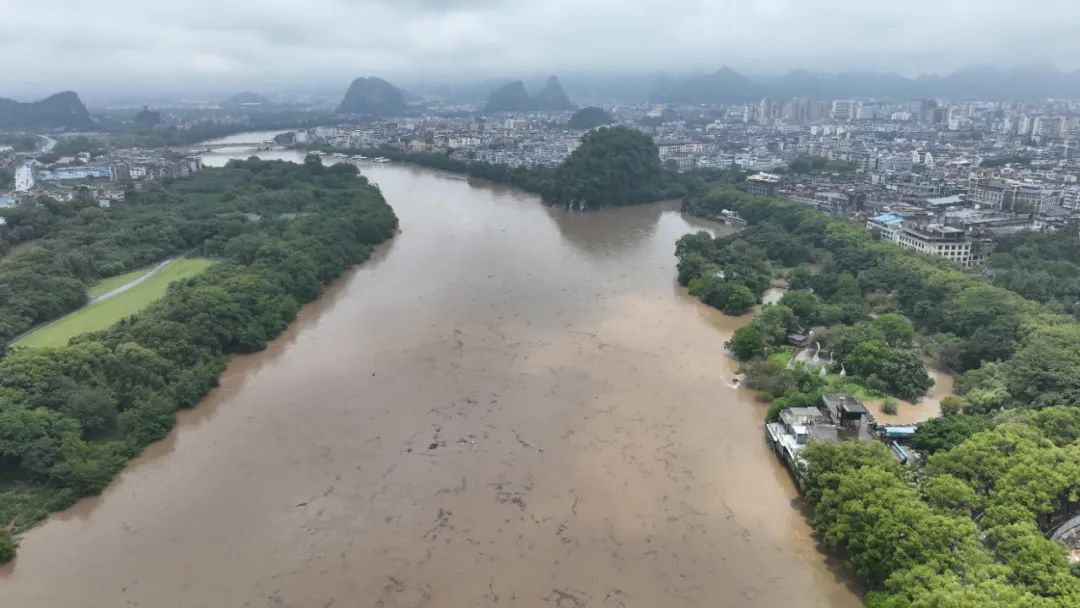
[(71, 416), (967, 527)]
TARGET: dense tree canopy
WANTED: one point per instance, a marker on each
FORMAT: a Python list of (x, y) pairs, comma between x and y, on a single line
[(966, 533), (1042, 266), (612, 166), (966, 323), (967, 529), (589, 118)]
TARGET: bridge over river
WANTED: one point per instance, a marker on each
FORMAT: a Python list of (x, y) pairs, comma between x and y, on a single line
[(257, 141), (265, 146)]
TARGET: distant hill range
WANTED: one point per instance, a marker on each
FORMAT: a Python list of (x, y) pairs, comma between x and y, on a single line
[(722, 86), (728, 86), (62, 110), (372, 96), (513, 97), (247, 98)]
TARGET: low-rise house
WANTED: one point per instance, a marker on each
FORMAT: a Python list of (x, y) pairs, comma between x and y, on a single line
[(887, 224), (840, 417), (765, 184), (937, 239)]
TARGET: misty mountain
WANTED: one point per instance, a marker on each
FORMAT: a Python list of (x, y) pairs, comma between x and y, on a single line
[(1016, 83), (472, 92), (511, 97), (551, 97), (61, 110), (722, 86), (372, 96), (989, 83), (247, 98), (514, 97)]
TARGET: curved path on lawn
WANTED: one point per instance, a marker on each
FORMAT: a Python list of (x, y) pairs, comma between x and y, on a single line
[(132, 283)]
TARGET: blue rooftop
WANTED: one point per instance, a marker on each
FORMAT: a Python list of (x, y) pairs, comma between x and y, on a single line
[(899, 431), (887, 218)]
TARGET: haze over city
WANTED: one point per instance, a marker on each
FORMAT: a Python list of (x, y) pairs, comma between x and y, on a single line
[(122, 47)]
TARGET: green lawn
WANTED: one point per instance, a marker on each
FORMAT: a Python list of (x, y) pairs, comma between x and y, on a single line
[(111, 283), (104, 314)]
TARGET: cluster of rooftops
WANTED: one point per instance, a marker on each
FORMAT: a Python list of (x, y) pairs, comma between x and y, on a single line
[(840, 417)]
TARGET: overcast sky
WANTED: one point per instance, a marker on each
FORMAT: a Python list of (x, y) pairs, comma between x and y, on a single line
[(100, 47)]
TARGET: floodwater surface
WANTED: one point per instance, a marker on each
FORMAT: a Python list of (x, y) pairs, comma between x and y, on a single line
[(920, 411), (508, 405)]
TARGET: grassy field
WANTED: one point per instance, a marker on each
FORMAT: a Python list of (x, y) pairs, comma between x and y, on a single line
[(104, 314), (111, 283)]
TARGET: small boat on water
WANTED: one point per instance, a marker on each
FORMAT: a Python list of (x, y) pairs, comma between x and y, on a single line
[(381, 159), (359, 157), (339, 155)]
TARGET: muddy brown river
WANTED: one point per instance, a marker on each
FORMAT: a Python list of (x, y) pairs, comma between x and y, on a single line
[(508, 405)]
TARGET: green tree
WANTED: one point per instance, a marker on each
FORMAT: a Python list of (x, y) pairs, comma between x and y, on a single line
[(905, 374), (612, 166), (804, 304), (734, 298), (94, 407), (1036, 563), (880, 521), (868, 358), (895, 328), (7, 548), (1060, 425), (1047, 368), (944, 433), (747, 342), (776, 321), (825, 464), (84, 466), (32, 437), (951, 495), (148, 419)]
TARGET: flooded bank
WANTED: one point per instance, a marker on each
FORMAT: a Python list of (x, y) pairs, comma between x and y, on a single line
[(509, 405), (924, 409)]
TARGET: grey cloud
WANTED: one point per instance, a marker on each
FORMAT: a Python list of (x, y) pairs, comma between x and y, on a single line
[(192, 45)]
